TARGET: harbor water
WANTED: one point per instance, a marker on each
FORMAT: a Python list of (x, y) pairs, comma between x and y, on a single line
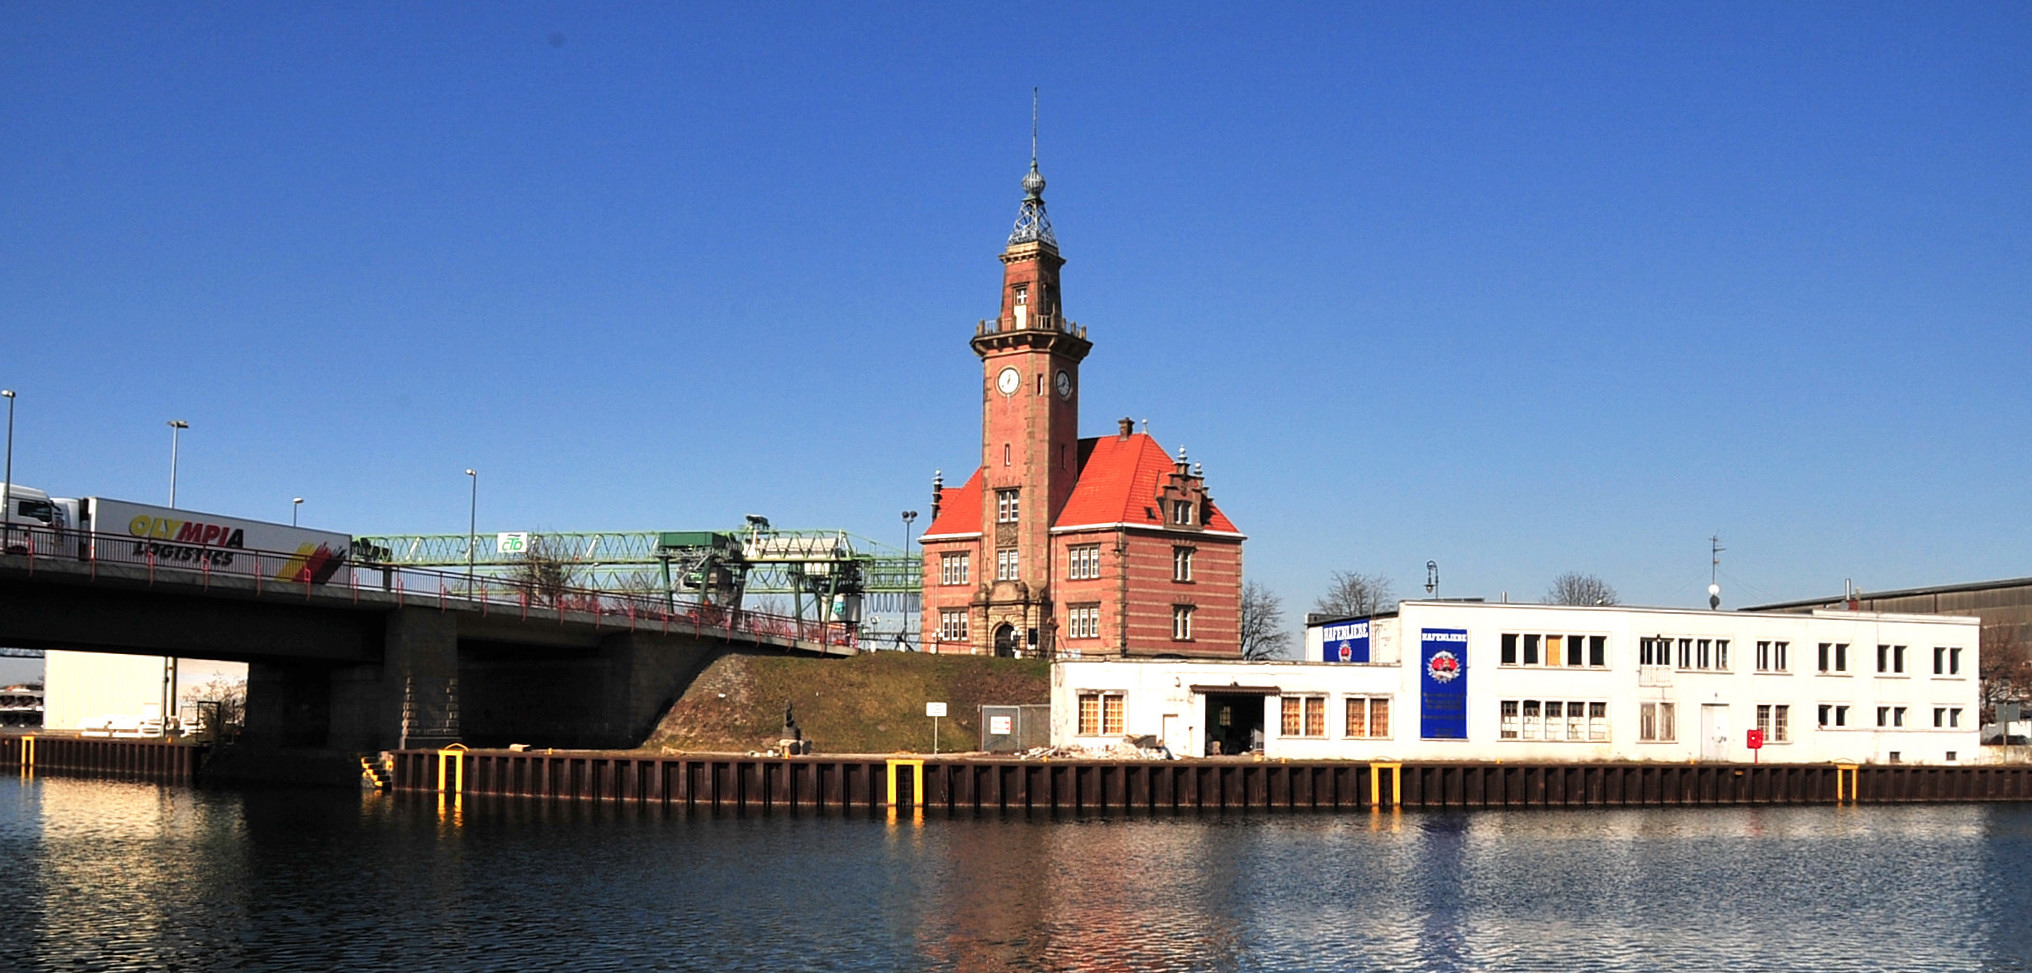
[(121, 876)]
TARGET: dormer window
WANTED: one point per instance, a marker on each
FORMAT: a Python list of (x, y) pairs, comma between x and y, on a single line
[(1181, 513)]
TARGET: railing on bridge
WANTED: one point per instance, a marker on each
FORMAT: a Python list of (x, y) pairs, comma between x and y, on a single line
[(319, 570)]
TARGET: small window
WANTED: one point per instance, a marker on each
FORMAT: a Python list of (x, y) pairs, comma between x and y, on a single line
[(1006, 504), (1100, 714), (1181, 513), (1181, 623), (1368, 717), (1598, 650), (952, 626), (952, 569), (1181, 564), (1006, 565), (1303, 716), (1655, 723)]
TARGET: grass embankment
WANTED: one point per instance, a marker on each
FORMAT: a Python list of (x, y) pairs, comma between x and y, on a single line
[(871, 703)]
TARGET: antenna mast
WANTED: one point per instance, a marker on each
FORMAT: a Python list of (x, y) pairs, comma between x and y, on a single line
[(1714, 568), (1033, 129)]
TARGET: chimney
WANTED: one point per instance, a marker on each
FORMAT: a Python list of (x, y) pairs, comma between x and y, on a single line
[(1128, 426), (937, 491)]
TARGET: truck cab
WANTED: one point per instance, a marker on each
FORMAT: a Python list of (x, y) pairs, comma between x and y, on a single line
[(33, 521)]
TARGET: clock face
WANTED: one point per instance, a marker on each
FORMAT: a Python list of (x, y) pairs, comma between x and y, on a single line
[(1064, 384), (1007, 381)]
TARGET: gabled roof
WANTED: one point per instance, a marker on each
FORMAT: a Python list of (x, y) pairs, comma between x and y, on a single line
[(1118, 484), (959, 510)]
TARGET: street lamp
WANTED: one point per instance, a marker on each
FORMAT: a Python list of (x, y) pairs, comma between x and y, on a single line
[(472, 529), (294, 505), (175, 426), (7, 486), (1432, 579), (909, 517)]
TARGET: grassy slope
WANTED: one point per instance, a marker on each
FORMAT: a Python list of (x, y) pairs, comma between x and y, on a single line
[(872, 703)]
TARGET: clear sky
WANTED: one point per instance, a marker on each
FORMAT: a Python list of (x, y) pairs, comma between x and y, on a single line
[(1519, 288)]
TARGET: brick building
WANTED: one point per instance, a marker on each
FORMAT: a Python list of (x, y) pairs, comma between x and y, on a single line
[(1058, 545)]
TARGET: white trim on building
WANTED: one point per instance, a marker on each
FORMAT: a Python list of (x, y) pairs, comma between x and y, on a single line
[(1558, 683)]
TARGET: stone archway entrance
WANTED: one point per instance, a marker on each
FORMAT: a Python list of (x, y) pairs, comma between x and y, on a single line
[(1005, 640)]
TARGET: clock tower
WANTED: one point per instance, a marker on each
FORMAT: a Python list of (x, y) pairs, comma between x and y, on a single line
[(1030, 453)]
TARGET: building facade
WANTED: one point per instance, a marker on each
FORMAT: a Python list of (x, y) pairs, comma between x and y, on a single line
[(1476, 681), (1063, 546)]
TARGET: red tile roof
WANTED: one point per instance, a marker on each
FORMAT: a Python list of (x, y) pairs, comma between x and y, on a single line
[(1118, 484), (959, 510)]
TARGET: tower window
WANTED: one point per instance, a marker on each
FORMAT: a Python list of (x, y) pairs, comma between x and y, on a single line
[(1005, 506), (1022, 295), (1005, 564), (1005, 454)]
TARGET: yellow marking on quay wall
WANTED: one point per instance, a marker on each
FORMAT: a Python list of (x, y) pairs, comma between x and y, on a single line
[(447, 759), (1848, 784), (1396, 784), (916, 780)]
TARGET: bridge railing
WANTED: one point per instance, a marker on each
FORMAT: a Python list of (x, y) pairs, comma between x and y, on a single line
[(312, 571)]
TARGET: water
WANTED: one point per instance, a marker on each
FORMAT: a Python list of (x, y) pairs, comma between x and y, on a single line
[(116, 876)]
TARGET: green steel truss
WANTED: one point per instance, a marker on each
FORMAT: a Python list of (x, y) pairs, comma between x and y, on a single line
[(827, 573)]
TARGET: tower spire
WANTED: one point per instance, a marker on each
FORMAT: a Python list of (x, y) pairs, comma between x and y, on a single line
[(1032, 224)]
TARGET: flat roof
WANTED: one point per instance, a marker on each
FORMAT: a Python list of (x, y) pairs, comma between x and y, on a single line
[(1760, 612), (1939, 589)]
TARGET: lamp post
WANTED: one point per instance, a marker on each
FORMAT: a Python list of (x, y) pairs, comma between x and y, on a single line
[(294, 506), (1432, 580), (175, 426), (472, 528), (7, 487), (909, 517)]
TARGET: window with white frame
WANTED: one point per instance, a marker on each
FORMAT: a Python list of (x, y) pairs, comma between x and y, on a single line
[(1946, 717), (1181, 513), (1775, 720), (1083, 622), (1368, 717), (1006, 506), (1696, 654), (1303, 716), (1181, 623), (1890, 659), (1181, 564), (952, 569), (1559, 720), (1833, 716), (1538, 649), (1946, 660), (1083, 562), (1890, 716), (1771, 656), (1100, 714), (1656, 723), (952, 625), (1005, 564), (1834, 657)]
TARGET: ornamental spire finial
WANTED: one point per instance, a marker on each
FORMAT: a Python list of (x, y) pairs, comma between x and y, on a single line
[(1032, 225)]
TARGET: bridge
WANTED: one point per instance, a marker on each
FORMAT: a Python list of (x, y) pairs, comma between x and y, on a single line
[(829, 575), (382, 656)]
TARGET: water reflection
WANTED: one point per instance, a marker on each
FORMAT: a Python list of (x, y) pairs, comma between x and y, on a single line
[(125, 876)]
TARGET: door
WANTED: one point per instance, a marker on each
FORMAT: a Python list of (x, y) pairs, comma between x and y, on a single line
[(1005, 640), (1172, 739), (1714, 731)]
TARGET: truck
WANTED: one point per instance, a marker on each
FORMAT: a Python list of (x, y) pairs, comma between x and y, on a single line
[(125, 532)]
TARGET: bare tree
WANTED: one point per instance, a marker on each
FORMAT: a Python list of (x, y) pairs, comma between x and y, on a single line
[(1354, 593), (1263, 634), (545, 573), (230, 694), (1575, 588), (2005, 672)]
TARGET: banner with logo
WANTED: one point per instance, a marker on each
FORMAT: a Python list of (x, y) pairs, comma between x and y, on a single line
[(1443, 685), (1346, 641)]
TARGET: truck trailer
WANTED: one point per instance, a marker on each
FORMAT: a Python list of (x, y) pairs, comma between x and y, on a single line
[(125, 532)]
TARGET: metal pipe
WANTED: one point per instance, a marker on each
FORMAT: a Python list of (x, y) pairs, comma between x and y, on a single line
[(472, 529)]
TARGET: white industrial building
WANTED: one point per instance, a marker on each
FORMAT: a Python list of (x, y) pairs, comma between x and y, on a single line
[(1478, 681)]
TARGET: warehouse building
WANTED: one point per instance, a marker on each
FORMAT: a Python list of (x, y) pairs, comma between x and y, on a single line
[(1477, 681)]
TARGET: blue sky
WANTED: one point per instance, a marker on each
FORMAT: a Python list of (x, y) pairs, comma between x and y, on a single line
[(1519, 288)]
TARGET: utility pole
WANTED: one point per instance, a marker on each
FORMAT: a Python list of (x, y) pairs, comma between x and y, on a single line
[(175, 426), (1714, 569), (472, 528)]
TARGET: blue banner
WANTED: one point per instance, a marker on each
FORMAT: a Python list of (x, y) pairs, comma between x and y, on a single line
[(1443, 685), (1345, 641)]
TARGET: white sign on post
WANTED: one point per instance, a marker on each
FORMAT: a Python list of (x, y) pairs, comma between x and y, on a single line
[(999, 725), (516, 543), (934, 709)]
